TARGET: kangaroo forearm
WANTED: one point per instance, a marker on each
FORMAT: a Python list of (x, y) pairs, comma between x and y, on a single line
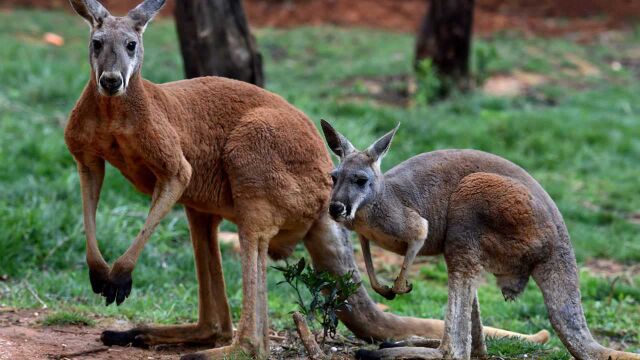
[(91, 178), (368, 262), (166, 194)]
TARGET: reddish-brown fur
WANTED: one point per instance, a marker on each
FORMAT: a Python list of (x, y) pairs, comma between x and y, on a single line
[(223, 149)]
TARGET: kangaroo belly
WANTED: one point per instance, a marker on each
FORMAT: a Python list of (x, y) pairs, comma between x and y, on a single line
[(384, 241)]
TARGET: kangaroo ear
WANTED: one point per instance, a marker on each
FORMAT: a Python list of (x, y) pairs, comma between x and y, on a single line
[(91, 10), (336, 141), (379, 148), (144, 12)]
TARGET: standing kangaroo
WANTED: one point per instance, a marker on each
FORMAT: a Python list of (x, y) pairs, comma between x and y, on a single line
[(223, 149), (479, 210)]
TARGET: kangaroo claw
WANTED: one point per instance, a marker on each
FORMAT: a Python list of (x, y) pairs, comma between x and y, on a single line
[(117, 289), (385, 291)]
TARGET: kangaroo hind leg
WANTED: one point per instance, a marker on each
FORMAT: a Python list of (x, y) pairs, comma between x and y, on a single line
[(214, 326), (557, 278)]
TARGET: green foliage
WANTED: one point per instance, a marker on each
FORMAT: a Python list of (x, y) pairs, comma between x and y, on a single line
[(329, 293), (62, 318), (483, 59), (428, 85)]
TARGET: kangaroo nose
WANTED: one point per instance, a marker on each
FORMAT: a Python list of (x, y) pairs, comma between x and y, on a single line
[(336, 209), (111, 82)]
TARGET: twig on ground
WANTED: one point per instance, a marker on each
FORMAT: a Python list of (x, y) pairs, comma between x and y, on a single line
[(310, 345), (35, 295), (79, 353)]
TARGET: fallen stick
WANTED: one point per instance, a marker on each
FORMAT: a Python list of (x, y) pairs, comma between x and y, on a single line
[(79, 353), (308, 341)]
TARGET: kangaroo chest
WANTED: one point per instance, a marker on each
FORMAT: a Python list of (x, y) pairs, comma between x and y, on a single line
[(116, 150), (394, 230)]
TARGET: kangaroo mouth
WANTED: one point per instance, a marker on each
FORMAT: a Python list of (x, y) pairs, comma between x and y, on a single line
[(345, 216)]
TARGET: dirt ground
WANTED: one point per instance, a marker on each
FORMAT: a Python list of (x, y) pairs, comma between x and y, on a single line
[(24, 337), (546, 17)]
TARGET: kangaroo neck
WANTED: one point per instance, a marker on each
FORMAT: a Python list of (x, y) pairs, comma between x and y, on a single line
[(382, 201), (131, 105)]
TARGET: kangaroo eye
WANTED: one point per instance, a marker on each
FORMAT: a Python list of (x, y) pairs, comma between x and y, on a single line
[(131, 46), (361, 182), (97, 45)]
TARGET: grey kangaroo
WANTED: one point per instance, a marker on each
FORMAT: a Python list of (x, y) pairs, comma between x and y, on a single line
[(479, 210)]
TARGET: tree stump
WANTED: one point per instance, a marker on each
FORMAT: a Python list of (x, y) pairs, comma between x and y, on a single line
[(215, 40)]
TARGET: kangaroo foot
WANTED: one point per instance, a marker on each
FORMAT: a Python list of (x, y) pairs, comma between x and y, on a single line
[(399, 353), (192, 334)]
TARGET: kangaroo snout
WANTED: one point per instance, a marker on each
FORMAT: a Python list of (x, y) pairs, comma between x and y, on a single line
[(337, 210), (111, 83)]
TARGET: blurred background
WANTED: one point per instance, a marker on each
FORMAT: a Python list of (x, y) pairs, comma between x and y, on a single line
[(550, 85)]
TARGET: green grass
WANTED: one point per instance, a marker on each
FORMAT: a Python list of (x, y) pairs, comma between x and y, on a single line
[(62, 318), (579, 136)]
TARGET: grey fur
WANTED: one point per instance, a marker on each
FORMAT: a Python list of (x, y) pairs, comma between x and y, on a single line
[(91, 10), (483, 213), (144, 12), (116, 50)]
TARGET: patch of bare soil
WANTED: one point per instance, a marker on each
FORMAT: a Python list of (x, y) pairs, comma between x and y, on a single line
[(610, 268), (24, 337), (394, 90), (546, 17)]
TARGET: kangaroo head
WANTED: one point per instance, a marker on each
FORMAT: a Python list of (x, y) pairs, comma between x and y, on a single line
[(357, 179), (115, 47)]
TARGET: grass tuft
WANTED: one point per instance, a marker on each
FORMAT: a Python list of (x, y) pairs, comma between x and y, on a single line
[(62, 318)]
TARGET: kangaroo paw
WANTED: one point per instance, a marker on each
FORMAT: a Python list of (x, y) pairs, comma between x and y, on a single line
[(117, 289), (402, 286), (385, 291), (99, 278)]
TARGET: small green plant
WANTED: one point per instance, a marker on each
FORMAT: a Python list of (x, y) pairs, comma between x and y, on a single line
[(67, 318), (329, 293), (428, 85), (485, 56)]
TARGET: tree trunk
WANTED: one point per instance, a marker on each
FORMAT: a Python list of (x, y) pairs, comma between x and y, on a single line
[(445, 39), (215, 40)]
